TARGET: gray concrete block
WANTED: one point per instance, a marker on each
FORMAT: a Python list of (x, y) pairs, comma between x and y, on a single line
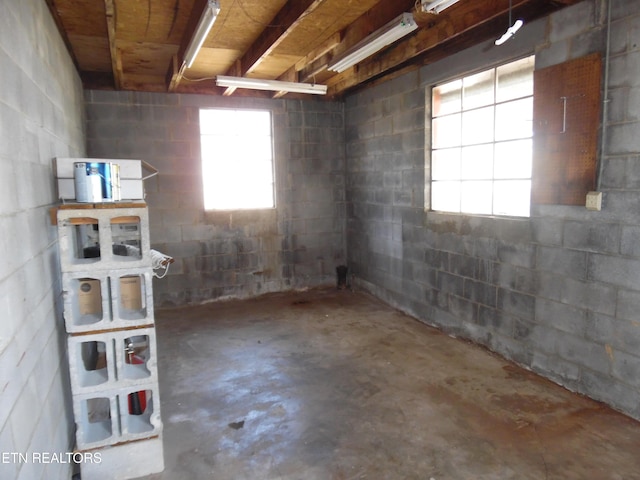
[(462, 265), (466, 310), (595, 237), (116, 461), (626, 367), (118, 305), (498, 321), (451, 284), (553, 54), (582, 352), (621, 139), (630, 241), (516, 303), (518, 255), (118, 372), (592, 296), (571, 22), (563, 317), (620, 335), (571, 263), (480, 292), (619, 271), (627, 304), (606, 388), (614, 172), (556, 368)]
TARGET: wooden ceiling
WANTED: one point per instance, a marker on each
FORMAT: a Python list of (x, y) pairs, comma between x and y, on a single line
[(139, 44)]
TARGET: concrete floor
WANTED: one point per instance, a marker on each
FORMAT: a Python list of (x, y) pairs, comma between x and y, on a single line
[(330, 384)]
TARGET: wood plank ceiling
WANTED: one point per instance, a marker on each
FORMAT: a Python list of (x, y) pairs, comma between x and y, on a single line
[(139, 44)]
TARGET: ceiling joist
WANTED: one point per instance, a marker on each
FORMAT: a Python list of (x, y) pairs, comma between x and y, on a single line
[(461, 26), (140, 44), (116, 60)]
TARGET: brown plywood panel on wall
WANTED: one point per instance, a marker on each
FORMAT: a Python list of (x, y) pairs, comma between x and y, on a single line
[(566, 119)]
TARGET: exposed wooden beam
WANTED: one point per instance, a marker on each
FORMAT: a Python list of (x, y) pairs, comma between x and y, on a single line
[(292, 75), (174, 75), (456, 28), (175, 71), (364, 25), (116, 61), (284, 23), (234, 71)]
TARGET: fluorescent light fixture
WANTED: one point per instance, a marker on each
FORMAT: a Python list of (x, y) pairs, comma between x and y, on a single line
[(436, 6), (392, 31), (272, 85), (511, 31), (205, 23)]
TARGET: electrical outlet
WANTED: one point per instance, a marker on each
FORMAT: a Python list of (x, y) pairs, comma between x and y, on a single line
[(594, 201)]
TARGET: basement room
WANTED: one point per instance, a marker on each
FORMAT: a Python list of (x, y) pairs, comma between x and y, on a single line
[(320, 239)]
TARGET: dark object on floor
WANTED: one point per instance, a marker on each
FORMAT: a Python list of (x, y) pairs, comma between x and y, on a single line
[(341, 271), (237, 425)]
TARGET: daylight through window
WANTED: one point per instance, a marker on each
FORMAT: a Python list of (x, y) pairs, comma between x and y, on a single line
[(482, 142), (237, 159)]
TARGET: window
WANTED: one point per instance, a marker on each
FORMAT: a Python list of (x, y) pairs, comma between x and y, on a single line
[(481, 146), (237, 159)]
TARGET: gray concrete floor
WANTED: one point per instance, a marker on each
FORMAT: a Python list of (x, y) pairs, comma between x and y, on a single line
[(329, 384)]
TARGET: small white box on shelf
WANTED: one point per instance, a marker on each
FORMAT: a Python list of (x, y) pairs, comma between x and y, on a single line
[(131, 176)]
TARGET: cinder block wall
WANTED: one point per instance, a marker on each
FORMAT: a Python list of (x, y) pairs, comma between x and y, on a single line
[(558, 292), (231, 254), (41, 116)]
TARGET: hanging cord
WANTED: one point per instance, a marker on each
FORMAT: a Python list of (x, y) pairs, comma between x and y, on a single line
[(160, 261)]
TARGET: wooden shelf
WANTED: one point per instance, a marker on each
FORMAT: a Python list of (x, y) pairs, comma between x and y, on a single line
[(53, 212)]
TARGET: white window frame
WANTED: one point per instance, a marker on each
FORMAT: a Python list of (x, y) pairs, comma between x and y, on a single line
[(460, 189), (232, 135)]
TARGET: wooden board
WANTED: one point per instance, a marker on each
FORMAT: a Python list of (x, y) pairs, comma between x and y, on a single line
[(566, 119)]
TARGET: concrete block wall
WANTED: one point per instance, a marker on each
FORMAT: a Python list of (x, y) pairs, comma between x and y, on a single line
[(231, 254), (41, 116), (557, 292)]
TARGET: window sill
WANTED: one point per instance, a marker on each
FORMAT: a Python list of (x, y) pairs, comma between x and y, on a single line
[(239, 218), (492, 226)]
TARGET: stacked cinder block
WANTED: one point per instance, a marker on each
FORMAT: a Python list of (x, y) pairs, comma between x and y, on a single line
[(107, 271)]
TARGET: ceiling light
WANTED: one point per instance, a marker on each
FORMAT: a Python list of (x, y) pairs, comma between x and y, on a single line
[(205, 23), (511, 31), (436, 6), (272, 85), (392, 31)]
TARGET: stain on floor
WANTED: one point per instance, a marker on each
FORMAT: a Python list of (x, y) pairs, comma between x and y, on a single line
[(349, 388)]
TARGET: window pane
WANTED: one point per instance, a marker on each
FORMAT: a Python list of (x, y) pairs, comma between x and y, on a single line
[(481, 157), (445, 196), (445, 164), (515, 80), (237, 159), (476, 197), (447, 98), (513, 159), (446, 131), (512, 197), (477, 162), (514, 119), (477, 126), (478, 90)]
